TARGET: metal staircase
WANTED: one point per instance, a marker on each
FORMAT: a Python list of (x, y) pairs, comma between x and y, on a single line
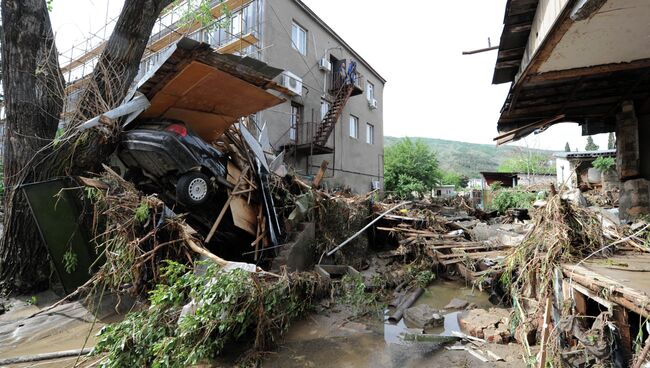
[(329, 120)]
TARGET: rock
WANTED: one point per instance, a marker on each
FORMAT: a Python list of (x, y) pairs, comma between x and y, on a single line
[(423, 316), (575, 196), (457, 304), (491, 324)]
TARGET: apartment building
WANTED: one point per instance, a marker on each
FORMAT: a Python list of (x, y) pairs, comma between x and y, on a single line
[(334, 98)]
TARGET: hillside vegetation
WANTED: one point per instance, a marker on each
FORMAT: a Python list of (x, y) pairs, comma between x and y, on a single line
[(470, 158)]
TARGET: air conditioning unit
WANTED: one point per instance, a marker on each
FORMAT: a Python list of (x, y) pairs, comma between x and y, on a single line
[(292, 82), (372, 104), (325, 65)]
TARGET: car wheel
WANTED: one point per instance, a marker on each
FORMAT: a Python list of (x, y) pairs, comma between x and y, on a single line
[(193, 189)]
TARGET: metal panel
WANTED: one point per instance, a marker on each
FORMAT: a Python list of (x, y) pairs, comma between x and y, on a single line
[(58, 206)]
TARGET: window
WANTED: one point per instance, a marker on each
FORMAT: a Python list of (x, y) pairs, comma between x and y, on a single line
[(370, 134), (324, 108), (294, 121), (299, 38), (354, 126), (235, 25), (370, 92)]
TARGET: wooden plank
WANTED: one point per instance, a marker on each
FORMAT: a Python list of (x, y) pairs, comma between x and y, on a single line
[(238, 44), (321, 173), (620, 294), (621, 319), (225, 207), (244, 215)]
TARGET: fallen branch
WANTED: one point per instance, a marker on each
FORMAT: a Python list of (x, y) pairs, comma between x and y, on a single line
[(366, 227), (44, 356)]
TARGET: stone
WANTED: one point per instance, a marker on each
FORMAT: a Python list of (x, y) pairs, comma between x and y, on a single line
[(423, 316), (456, 304), (575, 196), (634, 199), (491, 324)]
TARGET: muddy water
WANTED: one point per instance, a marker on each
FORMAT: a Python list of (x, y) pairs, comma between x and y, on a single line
[(332, 341)]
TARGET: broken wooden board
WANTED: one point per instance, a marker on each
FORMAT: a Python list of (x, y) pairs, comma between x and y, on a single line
[(629, 289), (244, 215)]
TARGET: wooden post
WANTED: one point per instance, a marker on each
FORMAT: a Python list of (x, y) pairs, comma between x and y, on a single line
[(546, 331), (321, 173), (621, 319)]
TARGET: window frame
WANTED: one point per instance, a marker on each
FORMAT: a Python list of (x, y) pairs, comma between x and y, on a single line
[(323, 113), (294, 121), (370, 87), (295, 44), (356, 127), (370, 133)]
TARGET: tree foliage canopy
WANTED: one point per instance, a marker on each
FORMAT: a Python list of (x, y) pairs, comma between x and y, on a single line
[(529, 163), (410, 166), (591, 146)]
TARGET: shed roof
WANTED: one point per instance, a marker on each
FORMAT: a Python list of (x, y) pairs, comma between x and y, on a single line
[(586, 154)]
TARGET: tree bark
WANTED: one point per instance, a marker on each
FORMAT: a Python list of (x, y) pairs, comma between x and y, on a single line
[(115, 71), (33, 87), (34, 99)]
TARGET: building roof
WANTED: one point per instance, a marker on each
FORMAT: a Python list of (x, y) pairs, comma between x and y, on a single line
[(498, 174), (585, 62), (586, 154), (517, 23), (339, 39)]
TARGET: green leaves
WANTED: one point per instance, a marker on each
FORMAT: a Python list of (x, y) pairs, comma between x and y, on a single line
[(224, 307), (410, 167), (528, 163), (603, 163), (505, 199)]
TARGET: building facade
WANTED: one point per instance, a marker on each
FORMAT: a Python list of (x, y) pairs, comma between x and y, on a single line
[(334, 99), (306, 47)]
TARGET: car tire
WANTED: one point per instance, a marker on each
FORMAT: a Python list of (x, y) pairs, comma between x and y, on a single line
[(193, 189)]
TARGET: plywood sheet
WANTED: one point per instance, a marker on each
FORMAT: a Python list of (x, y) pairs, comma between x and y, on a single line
[(244, 215), (208, 99)]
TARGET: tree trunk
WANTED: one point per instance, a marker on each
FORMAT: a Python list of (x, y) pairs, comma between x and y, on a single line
[(33, 87), (34, 95), (115, 71)]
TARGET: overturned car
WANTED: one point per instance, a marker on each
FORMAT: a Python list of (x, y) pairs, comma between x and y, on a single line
[(187, 146)]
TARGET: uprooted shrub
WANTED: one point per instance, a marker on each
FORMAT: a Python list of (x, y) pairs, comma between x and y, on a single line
[(133, 236), (563, 232), (192, 317)]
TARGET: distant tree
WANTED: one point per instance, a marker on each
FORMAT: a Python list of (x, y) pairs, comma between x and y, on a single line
[(567, 148), (611, 141), (410, 166), (591, 146), (457, 180), (527, 163)]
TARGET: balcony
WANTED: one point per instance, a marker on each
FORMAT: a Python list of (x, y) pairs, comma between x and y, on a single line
[(301, 140)]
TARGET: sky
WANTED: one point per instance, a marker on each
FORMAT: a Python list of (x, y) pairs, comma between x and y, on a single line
[(432, 90)]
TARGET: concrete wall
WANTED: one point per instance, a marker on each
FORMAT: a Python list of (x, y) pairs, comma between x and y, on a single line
[(355, 163)]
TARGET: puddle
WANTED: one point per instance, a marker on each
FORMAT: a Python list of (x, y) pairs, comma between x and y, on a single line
[(438, 296), (325, 341)]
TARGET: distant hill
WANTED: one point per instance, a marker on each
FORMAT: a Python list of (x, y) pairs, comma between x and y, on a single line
[(469, 158)]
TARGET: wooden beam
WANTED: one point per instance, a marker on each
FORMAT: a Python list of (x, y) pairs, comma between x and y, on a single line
[(238, 44), (321, 174), (621, 320), (587, 71)]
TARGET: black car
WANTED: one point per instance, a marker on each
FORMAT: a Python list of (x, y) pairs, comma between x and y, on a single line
[(169, 156)]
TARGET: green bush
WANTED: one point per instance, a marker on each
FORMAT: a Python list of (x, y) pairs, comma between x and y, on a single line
[(410, 167), (505, 199), (603, 164)]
